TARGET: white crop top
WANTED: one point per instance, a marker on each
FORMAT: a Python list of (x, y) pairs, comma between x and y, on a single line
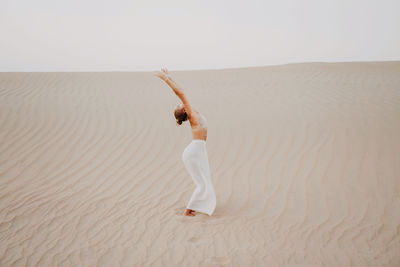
[(203, 120)]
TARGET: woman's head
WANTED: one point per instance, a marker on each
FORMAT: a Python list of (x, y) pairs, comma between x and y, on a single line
[(180, 114)]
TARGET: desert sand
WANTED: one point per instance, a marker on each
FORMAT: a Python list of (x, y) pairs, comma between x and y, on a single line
[(305, 161)]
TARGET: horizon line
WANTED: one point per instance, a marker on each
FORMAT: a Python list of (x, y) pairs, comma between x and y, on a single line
[(210, 69)]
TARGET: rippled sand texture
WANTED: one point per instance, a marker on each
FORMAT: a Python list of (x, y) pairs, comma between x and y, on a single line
[(305, 159)]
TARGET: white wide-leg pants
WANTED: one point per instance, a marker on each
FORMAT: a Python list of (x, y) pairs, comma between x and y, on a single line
[(195, 159)]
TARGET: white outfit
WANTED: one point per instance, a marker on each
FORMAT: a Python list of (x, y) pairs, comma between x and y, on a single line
[(203, 120), (195, 159)]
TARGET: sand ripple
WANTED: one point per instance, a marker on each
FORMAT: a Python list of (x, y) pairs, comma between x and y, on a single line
[(305, 160)]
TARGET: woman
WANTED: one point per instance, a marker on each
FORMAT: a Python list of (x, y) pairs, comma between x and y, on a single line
[(194, 156)]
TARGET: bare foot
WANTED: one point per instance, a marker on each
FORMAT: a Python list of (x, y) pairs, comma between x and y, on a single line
[(188, 212)]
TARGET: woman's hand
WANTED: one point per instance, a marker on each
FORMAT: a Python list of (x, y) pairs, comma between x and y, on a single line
[(163, 74)]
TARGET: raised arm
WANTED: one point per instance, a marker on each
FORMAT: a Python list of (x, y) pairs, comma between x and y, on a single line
[(165, 76)]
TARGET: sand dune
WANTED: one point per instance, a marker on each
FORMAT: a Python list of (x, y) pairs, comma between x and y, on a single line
[(305, 160)]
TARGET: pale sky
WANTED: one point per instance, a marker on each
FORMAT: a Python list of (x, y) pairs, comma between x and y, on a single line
[(122, 35)]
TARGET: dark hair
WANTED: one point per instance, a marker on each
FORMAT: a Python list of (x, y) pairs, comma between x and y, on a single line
[(180, 116)]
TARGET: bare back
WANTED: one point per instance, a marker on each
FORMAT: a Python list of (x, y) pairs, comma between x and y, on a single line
[(199, 126)]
